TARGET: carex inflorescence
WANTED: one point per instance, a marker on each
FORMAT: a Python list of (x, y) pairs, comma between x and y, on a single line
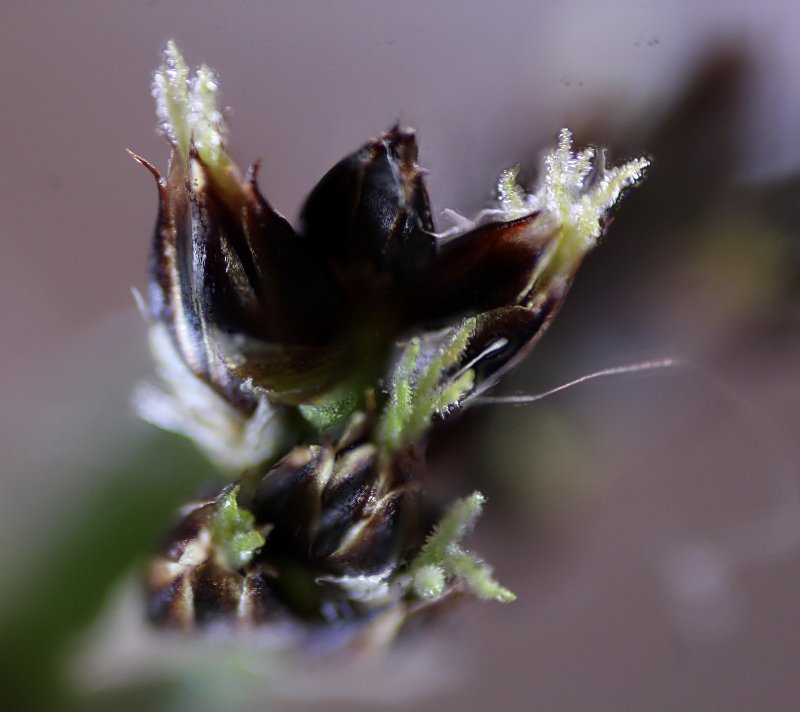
[(311, 364)]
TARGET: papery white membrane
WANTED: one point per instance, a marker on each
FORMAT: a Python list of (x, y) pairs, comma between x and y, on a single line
[(185, 405)]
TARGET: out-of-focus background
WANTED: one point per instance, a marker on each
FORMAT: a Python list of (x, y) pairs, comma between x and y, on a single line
[(650, 524)]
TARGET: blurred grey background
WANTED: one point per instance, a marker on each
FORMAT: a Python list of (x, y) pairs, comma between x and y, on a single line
[(649, 524)]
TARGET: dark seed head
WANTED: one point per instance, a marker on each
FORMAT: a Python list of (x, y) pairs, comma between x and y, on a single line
[(315, 363)]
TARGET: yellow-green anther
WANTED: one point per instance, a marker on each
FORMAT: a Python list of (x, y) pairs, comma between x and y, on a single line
[(452, 394), (421, 387), (449, 532), (234, 531), (429, 581), (333, 411), (477, 575), (401, 392)]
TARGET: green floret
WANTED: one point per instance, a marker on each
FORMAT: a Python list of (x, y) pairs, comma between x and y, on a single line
[(442, 558), (420, 387), (234, 531)]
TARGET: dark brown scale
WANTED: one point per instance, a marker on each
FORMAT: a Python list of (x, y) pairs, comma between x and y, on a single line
[(515, 330), (343, 500), (484, 269), (217, 591), (369, 217)]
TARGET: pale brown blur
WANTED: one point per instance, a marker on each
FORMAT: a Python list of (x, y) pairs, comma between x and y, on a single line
[(649, 525)]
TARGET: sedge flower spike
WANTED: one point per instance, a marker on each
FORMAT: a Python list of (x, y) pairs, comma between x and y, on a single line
[(312, 364)]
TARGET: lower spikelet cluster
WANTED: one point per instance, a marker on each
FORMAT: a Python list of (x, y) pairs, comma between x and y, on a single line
[(329, 525), (312, 364)]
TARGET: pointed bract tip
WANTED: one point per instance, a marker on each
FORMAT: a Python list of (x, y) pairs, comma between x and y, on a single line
[(252, 171), (144, 162)]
